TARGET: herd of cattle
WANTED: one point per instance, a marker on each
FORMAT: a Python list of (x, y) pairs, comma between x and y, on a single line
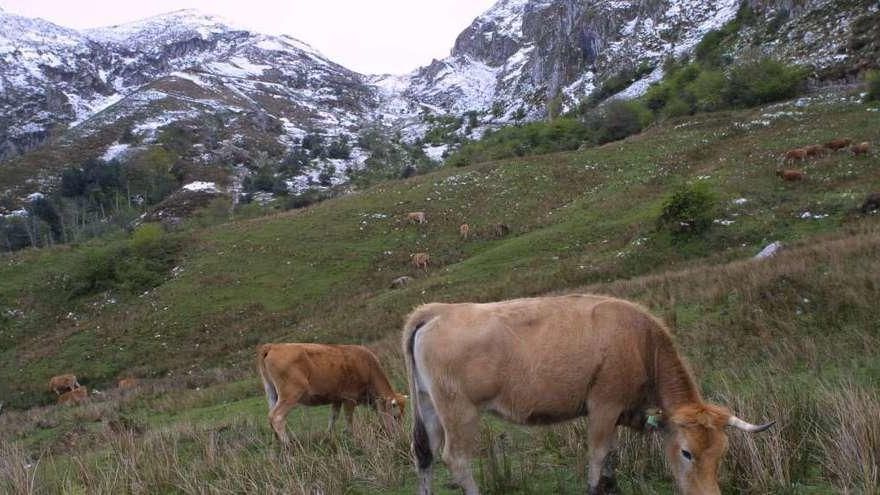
[(70, 392), (421, 260), (804, 153)]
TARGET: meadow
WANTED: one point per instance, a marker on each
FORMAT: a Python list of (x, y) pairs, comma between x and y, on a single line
[(790, 338)]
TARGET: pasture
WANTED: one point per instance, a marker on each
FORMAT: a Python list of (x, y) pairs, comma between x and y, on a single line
[(789, 338)]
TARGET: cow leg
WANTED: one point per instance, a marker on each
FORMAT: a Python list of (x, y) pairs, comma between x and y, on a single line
[(461, 423), (602, 430), (334, 413), (278, 418), (349, 415)]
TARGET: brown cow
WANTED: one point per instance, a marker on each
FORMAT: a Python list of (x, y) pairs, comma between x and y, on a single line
[(546, 360), (500, 229), (797, 154), (63, 383), (318, 374), (791, 175), (464, 230), (417, 217), (128, 383), (838, 144), (75, 396), (420, 260), (861, 148), (815, 150)]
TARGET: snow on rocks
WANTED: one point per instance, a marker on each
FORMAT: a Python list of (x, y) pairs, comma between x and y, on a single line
[(115, 151), (199, 186)]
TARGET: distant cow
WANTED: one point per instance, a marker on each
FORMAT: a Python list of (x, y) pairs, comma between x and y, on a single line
[(401, 282), (815, 150), (318, 374), (797, 154), (464, 230), (547, 360), (861, 148), (872, 203), (420, 260), (838, 144), (500, 229), (417, 217), (75, 396), (63, 383), (791, 175), (127, 383)]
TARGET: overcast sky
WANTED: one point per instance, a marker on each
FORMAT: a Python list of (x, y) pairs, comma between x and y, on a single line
[(369, 36)]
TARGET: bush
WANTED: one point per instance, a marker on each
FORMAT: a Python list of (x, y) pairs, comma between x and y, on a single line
[(689, 210), (528, 139), (304, 199), (762, 81), (617, 120), (873, 80)]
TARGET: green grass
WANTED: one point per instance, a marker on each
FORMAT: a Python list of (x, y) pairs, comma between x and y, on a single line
[(583, 220)]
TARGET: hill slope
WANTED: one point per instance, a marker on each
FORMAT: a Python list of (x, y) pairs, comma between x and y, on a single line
[(783, 338)]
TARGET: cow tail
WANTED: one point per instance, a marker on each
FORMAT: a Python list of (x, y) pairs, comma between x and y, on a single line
[(421, 442), (268, 385)]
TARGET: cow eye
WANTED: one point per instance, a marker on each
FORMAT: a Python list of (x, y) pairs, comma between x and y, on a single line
[(687, 455)]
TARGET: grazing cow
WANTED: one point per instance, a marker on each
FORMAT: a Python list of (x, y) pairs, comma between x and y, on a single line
[(500, 229), (464, 230), (838, 144), (417, 217), (861, 148), (815, 151), (791, 175), (420, 260), (74, 396), (127, 383), (401, 282), (546, 360), (872, 203), (63, 383), (318, 374), (797, 154)]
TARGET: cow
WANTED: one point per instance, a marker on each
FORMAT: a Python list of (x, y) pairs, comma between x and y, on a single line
[(417, 217), (63, 383), (464, 230), (838, 144), (500, 229), (127, 383), (546, 360), (791, 175), (861, 148), (342, 376), (797, 154), (420, 260), (401, 282), (872, 203), (815, 151), (73, 397)]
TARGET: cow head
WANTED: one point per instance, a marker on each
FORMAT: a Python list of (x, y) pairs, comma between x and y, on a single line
[(695, 441), (392, 409)]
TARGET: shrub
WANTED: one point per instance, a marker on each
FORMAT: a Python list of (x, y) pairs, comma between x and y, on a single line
[(528, 139), (762, 81), (873, 80), (617, 120), (304, 199), (689, 210)]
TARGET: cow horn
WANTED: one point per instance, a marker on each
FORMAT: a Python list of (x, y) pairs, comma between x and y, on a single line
[(746, 426)]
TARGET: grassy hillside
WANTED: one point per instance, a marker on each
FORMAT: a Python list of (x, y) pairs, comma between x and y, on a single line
[(786, 338)]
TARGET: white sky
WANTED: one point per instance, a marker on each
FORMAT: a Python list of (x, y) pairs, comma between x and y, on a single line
[(369, 36)]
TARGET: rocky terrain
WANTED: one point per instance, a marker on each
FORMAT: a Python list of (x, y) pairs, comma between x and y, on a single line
[(248, 99)]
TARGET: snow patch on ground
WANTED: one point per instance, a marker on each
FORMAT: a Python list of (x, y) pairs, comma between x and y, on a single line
[(199, 186), (115, 150)]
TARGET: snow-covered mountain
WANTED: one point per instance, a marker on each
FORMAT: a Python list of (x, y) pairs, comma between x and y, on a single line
[(173, 67), (245, 97)]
